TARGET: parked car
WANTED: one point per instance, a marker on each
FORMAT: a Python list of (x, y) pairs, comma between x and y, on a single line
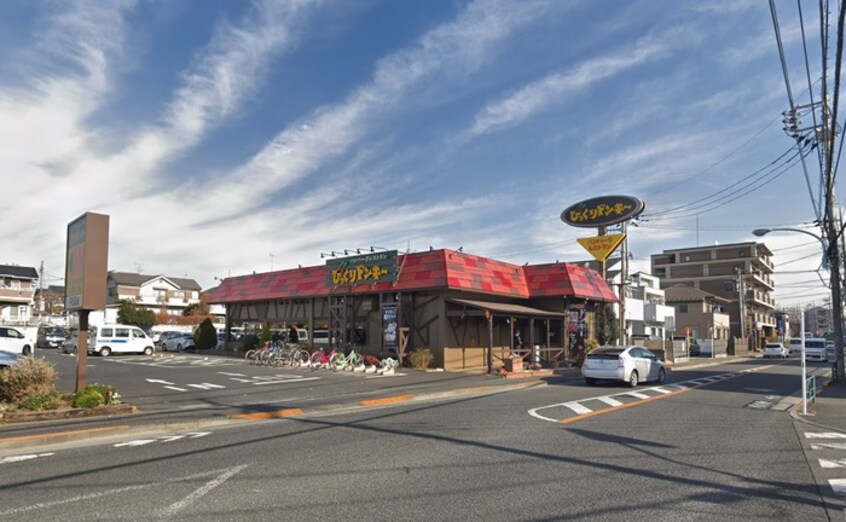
[(321, 337), (695, 349), (160, 336), (50, 337), (776, 350), (631, 364), (14, 341), (179, 342), (814, 348), (119, 338), (8, 359), (71, 342)]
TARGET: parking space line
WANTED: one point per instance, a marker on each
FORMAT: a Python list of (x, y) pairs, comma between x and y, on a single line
[(609, 401)]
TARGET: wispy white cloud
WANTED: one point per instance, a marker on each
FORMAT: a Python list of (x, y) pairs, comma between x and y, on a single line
[(455, 47), (551, 89)]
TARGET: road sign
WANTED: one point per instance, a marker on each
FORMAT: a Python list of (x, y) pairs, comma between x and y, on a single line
[(601, 247)]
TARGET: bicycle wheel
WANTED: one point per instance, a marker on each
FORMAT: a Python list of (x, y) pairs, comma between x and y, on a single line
[(250, 356)]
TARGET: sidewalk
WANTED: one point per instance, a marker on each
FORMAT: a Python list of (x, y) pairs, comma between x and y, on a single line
[(829, 409)]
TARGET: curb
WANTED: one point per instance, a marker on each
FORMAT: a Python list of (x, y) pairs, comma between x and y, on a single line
[(794, 413)]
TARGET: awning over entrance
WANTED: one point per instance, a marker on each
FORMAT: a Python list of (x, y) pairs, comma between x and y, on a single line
[(507, 308)]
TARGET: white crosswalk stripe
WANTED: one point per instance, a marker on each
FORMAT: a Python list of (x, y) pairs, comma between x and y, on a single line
[(609, 401), (829, 446), (825, 435), (830, 464), (578, 408), (636, 395), (838, 485)]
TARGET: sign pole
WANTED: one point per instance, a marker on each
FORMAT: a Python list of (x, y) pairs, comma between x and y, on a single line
[(804, 369), (82, 350)]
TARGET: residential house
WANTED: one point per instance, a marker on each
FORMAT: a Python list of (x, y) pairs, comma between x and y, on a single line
[(159, 293), (699, 314), (17, 293)]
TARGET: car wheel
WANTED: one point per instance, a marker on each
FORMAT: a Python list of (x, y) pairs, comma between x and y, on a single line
[(27, 350), (178, 347), (590, 381), (148, 350), (633, 379), (105, 352), (662, 375)]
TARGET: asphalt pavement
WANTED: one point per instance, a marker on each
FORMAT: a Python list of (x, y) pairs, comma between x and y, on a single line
[(826, 412)]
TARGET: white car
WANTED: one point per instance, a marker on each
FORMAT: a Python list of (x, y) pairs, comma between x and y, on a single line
[(177, 343), (631, 364), (776, 350), (14, 341)]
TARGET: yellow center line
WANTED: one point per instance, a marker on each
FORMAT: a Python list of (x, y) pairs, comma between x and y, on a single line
[(265, 415), (651, 399), (388, 400)]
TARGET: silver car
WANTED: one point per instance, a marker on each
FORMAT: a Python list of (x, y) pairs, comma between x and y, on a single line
[(776, 350), (630, 364), (179, 342)]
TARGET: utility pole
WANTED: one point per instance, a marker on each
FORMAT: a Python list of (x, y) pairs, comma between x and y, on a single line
[(741, 302), (624, 274)]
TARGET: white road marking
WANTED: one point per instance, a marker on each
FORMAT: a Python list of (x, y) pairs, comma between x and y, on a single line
[(206, 386), (660, 390), (829, 446), (826, 435), (286, 381), (98, 494), (576, 407), (171, 438), (237, 379), (609, 401), (22, 458), (158, 381), (761, 405), (230, 374), (760, 390), (190, 499), (830, 464), (133, 443), (175, 388), (838, 485), (198, 434), (664, 389)]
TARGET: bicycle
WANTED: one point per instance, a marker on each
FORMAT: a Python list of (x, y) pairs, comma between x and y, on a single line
[(352, 360), (319, 358)]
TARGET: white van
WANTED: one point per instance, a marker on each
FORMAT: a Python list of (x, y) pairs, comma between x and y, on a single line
[(118, 338)]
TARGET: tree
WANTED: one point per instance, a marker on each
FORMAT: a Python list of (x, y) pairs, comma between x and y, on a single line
[(200, 308), (607, 326), (206, 336), (128, 313)]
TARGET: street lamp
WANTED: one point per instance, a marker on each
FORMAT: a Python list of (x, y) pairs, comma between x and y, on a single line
[(764, 231)]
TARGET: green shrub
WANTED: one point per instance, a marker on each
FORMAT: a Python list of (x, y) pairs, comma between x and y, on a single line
[(420, 358), (33, 377), (249, 342), (51, 401), (206, 335), (266, 335), (87, 398), (103, 393)]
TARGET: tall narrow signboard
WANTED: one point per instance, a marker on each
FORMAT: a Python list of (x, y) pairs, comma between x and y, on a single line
[(86, 271)]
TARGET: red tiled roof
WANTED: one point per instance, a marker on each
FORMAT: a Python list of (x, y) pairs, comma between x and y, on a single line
[(427, 270), (565, 279)]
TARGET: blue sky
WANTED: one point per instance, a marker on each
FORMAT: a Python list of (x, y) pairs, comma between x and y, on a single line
[(225, 137)]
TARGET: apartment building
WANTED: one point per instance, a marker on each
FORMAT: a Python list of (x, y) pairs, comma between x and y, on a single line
[(818, 320), (738, 272)]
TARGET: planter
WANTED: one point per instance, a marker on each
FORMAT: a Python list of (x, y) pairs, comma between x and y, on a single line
[(513, 365), (71, 413)]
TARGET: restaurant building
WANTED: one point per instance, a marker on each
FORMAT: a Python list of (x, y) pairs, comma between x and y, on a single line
[(471, 311)]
